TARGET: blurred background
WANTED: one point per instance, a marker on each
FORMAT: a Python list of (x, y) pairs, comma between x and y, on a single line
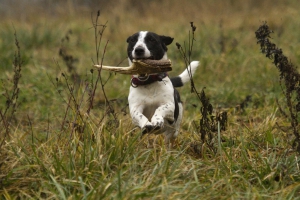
[(231, 64), (197, 10), (152, 14)]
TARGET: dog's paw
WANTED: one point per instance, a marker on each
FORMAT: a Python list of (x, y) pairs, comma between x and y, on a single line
[(147, 129), (150, 128), (158, 122)]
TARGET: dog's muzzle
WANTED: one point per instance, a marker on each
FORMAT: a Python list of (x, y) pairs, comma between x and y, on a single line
[(139, 52)]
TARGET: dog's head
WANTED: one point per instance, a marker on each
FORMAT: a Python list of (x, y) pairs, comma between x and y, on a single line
[(148, 45)]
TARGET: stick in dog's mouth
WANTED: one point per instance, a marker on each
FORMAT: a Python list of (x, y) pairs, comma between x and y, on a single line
[(144, 66)]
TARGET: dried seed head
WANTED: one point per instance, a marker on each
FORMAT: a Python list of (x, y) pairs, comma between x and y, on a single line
[(178, 45)]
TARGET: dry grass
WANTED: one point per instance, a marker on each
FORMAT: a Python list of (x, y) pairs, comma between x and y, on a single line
[(55, 150)]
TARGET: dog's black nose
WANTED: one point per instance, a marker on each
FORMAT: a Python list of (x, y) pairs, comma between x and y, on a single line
[(139, 51)]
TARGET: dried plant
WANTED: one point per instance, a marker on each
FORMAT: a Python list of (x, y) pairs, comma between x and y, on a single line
[(289, 76), (186, 54), (68, 59), (71, 81), (209, 122), (99, 61), (79, 103), (11, 94)]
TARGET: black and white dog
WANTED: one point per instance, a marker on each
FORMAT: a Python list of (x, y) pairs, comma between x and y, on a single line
[(154, 103)]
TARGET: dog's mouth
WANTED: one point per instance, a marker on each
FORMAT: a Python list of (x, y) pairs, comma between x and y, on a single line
[(144, 58), (144, 77)]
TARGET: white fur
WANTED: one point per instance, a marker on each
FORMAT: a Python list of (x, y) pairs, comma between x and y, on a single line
[(187, 73)]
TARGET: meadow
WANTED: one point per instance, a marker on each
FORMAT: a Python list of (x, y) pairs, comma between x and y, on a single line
[(65, 130)]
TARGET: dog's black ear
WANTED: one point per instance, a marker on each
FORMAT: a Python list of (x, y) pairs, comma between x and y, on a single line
[(166, 39), (128, 39)]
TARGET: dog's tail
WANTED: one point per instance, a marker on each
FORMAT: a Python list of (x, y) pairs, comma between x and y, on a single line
[(184, 77)]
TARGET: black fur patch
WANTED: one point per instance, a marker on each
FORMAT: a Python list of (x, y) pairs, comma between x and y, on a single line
[(176, 101), (176, 81)]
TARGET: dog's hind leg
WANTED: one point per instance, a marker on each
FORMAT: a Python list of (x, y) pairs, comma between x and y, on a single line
[(172, 131)]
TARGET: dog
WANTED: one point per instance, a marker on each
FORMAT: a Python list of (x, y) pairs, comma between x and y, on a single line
[(154, 103)]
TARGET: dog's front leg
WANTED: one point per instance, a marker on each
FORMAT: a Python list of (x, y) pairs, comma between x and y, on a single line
[(165, 111), (139, 119)]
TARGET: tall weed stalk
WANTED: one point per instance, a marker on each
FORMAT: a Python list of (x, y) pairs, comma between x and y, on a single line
[(209, 122), (81, 102), (289, 76), (11, 94), (98, 39)]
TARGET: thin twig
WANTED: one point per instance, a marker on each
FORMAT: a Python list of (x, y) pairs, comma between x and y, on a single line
[(99, 78), (6, 126), (30, 124), (65, 116), (78, 114), (97, 48)]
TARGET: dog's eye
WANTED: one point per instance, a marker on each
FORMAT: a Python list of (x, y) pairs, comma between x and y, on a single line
[(133, 40), (150, 39)]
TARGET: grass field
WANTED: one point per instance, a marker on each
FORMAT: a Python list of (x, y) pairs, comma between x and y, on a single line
[(55, 145)]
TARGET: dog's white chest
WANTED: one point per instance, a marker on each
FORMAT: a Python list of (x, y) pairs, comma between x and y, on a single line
[(150, 97), (155, 93)]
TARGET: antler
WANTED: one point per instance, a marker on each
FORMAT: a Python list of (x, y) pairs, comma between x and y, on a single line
[(141, 67)]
